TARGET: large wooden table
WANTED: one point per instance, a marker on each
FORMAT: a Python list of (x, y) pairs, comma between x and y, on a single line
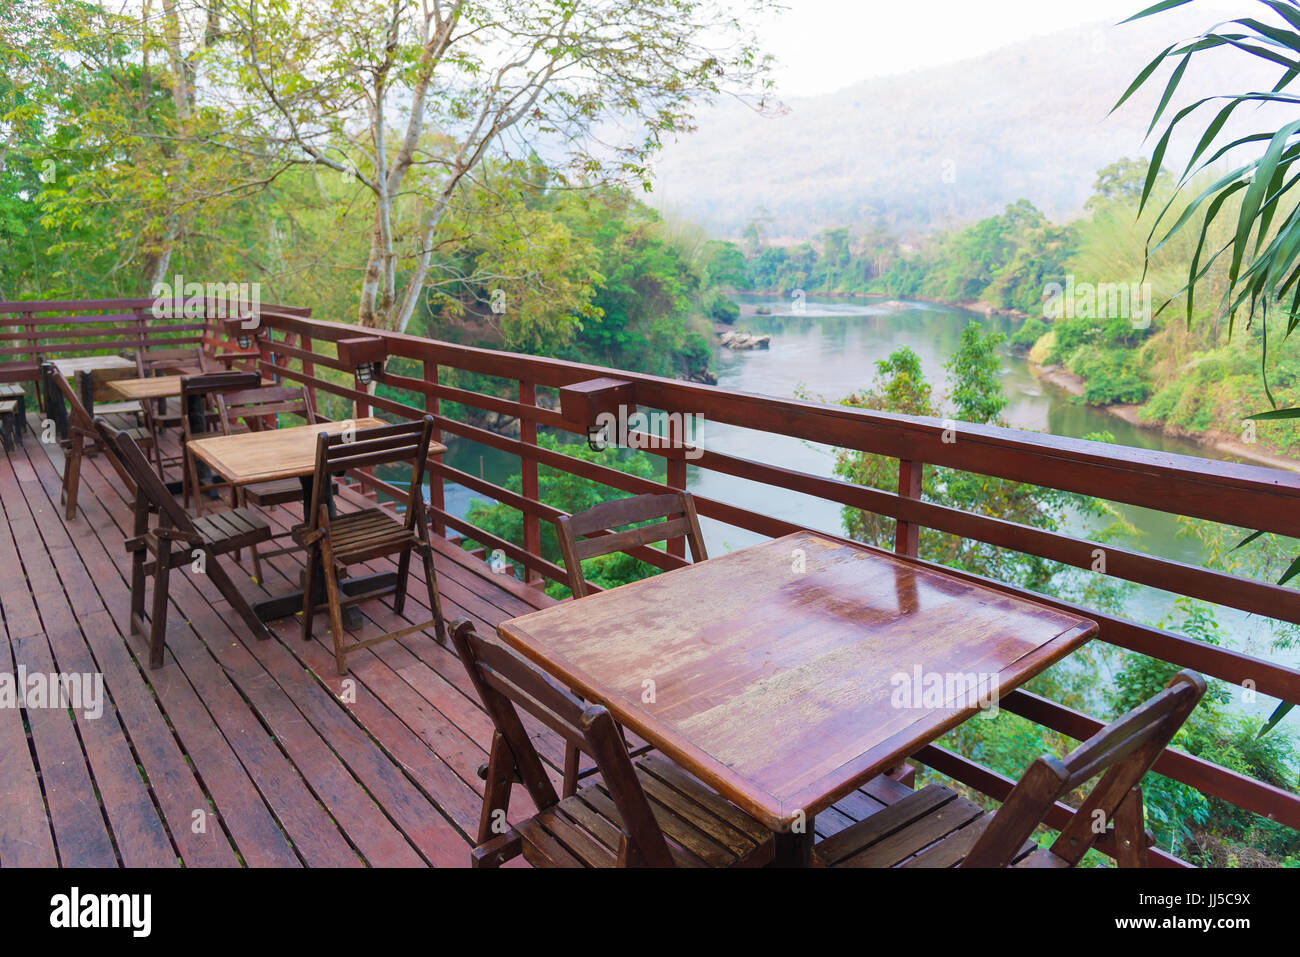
[(783, 674), (247, 458)]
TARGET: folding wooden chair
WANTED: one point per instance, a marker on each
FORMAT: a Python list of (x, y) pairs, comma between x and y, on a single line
[(199, 421), (339, 540), (647, 814), (935, 828), (260, 408), (178, 540), (597, 524), (81, 430), (592, 533)]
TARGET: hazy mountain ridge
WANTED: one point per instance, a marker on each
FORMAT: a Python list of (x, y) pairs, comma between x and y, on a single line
[(943, 145)]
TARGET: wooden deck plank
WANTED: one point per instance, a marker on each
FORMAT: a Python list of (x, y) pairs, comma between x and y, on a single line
[(202, 687), (169, 724)]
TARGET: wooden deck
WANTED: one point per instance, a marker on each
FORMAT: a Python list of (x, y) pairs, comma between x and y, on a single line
[(238, 752)]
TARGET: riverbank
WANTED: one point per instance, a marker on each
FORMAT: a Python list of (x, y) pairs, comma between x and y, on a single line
[(1222, 442)]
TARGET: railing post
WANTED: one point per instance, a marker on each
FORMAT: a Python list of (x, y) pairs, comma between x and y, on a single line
[(528, 476), (907, 536), (433, 405), (309, 369), (676, 477)]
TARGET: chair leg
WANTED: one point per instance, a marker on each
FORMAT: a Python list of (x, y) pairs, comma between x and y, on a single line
[(72, 476), (237, 601), (158, 621), (309, 590), (403, 574), (571, 760), (335, 605), (435, 599), (137, 589)]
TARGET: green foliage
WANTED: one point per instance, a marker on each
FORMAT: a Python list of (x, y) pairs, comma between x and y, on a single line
[(1030, 331)]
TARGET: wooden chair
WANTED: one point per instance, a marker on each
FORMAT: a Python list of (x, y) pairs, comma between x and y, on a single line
[(177, 540), (197, 398), (591, 533), (81, 431), (598, 522), (936, 828), (258, 408), (339, 540), (648, 813)]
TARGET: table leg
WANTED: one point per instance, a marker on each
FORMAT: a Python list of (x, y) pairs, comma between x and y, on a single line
[(794, 850), (86, 383)]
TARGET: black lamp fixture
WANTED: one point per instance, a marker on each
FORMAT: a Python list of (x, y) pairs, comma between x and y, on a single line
[(243, 329), (365, 355)]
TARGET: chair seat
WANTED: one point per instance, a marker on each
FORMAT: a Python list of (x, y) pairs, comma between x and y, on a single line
[(233, 529), (140, 436), (933, 827), (701, 827), (278, 492), (368, 533)]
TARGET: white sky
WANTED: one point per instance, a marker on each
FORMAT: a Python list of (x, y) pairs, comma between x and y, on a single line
[(825, 45)]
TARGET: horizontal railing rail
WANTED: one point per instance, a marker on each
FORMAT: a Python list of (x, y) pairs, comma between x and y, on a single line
[(301, 349)]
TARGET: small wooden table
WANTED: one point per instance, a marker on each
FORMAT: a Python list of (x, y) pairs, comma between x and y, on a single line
[(81, 371), (151, 387), (788, 674), (247, 458)]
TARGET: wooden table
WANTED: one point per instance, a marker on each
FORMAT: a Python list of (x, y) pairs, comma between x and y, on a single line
[(151, 387), (81, 371), (781, 674), (247, 458)]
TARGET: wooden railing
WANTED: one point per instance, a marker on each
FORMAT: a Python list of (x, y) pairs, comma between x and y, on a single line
[(299, 349)]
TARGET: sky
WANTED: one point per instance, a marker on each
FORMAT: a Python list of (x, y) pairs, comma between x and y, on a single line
[(825, 45)]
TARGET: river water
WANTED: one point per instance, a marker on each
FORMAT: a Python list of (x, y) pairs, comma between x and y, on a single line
[(829, 350)]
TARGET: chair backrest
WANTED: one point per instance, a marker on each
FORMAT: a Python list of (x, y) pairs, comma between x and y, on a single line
[(152, 359), (1122, 752), (504, 680), (676, 508), (151, 494), (200, 388), (252, 405), (404, 443), (78, 415)]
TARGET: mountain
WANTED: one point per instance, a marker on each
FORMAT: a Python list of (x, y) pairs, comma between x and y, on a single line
[(945, 145)]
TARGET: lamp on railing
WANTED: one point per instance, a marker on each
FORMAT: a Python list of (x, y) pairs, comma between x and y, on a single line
[(365, 355), (585, 403), (244, 329)]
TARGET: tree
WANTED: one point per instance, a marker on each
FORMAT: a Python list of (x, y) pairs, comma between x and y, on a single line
[(407, 100)]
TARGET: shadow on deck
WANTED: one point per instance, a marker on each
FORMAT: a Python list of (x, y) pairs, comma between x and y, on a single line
[(239, 752)]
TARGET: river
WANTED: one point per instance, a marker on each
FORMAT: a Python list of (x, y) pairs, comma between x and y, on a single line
[(830, 350)]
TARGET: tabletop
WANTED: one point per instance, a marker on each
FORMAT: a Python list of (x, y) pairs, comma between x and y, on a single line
[(70, 367), (787, 674), (248, 457), (153, 387)]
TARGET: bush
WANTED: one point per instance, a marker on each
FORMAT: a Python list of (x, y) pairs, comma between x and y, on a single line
[(718, 306), (1024, 338)]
